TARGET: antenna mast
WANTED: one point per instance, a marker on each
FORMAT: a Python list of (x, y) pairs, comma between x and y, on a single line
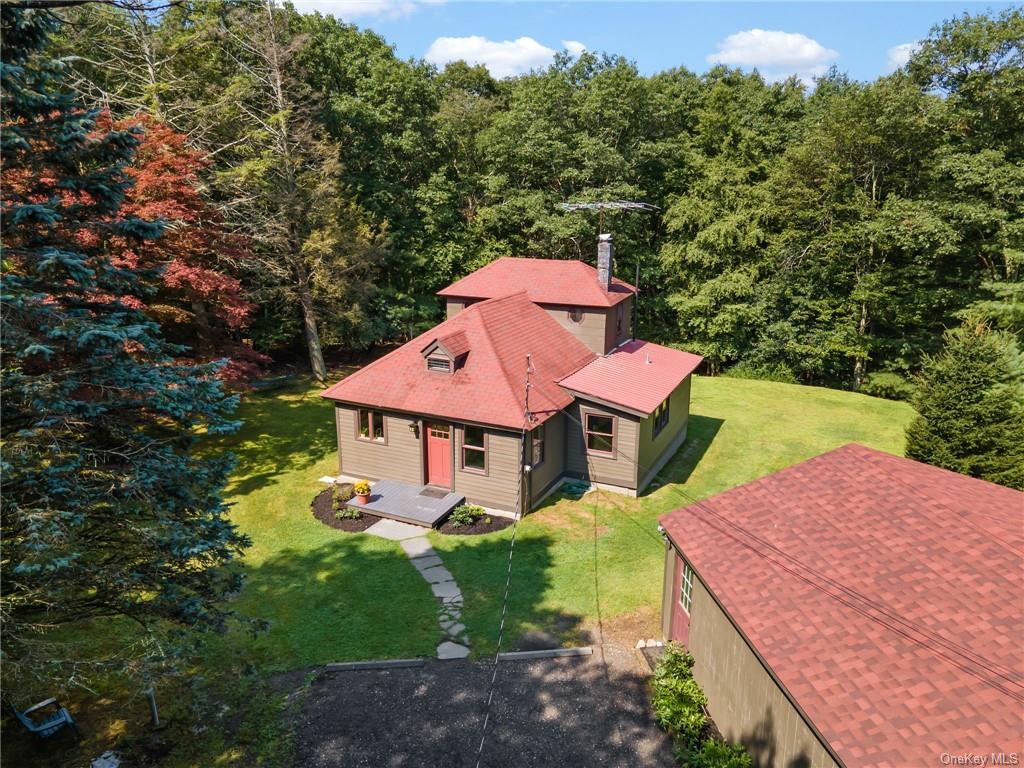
[(614, 205)]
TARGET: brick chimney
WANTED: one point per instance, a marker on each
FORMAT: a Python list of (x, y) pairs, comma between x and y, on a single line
[(605, 254)]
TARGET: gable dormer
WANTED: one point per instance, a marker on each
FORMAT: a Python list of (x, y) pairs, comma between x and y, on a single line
[(446, 354)]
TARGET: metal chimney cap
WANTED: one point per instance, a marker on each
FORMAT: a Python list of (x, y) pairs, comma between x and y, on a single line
[(606, 238)]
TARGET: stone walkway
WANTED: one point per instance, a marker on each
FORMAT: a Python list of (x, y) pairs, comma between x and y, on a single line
[(413, 541)]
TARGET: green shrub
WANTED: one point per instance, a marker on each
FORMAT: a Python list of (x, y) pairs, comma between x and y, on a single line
[(679, 708), (887, 384), (348, 512), (776, 372), (678, 700), (341, 493), (466, 514), (714, 753)]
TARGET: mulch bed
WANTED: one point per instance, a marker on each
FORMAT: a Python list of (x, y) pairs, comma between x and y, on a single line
[(323, 510), (480, 526)]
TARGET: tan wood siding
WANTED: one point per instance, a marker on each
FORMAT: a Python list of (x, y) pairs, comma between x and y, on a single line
[(453, 307), (619, 469), (653, 449), (543, 475), (400, 458), (744, 700), (613, 338), (498, 487), (591, 329)]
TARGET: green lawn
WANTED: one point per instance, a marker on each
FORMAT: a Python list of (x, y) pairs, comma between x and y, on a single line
[(332, 596)]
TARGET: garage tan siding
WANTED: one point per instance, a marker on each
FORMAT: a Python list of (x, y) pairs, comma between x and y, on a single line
[(542, 476), (498, 487), (619, 469), (744, 700), (591, 329), (656, 451), (400, 458)]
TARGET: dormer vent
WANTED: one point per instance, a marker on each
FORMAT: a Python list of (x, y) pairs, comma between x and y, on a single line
[(447, 354)]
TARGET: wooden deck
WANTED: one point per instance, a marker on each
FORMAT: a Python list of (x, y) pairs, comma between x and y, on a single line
[(417, 504)]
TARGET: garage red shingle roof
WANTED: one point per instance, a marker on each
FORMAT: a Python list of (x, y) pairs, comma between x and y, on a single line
[(637, 375), (887, 596), (487, 388), (546, 281)]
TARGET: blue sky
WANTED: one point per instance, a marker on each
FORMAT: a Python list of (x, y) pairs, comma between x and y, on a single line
[(864, 39)]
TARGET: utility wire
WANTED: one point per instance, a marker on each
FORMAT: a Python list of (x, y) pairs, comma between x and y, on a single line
[(527, 420), (890, 620)]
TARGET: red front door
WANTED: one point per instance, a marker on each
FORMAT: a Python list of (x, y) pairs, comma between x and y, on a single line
[(439, 454)]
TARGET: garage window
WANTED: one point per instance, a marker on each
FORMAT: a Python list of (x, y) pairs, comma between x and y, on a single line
[(686, 588)]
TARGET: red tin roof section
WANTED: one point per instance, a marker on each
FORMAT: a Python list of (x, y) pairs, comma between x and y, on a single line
[(488, 388), (546, 281), (886, 595), (637, 375)]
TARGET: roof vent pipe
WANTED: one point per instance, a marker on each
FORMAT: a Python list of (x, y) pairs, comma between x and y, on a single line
[(605, 254)]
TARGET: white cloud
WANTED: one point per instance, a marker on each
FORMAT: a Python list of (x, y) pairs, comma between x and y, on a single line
[(899, 55), (503, 59), (353, 9), (776, 54), (574, 47)]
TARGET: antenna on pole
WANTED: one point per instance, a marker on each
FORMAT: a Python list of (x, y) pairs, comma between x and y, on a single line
[(608, 205)]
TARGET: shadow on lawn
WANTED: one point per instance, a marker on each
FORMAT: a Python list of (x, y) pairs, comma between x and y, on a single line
[(357, 599), (281, 432), (701, 432)]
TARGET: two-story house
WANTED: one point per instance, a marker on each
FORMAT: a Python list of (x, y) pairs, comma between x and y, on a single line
[(533, 378)]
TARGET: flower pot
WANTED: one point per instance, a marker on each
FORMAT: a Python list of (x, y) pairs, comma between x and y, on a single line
[(362, 498)]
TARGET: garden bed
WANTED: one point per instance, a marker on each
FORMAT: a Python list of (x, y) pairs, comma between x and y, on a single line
[(478, 527), (323, 510)]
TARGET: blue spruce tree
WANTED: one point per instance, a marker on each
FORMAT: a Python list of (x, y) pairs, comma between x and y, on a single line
[(107, 510)]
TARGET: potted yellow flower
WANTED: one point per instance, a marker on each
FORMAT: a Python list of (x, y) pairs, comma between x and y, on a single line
[(362, 491)]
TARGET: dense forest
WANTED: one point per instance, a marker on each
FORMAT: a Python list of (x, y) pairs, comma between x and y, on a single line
[(319, 189)]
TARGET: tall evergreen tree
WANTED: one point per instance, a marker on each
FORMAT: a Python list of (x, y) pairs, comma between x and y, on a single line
[(107, 511), (970, 405)]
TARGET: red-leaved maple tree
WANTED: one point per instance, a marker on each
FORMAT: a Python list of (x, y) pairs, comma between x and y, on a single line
[(196, 300)]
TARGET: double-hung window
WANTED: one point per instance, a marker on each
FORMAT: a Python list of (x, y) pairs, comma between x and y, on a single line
[(537, 446), (600, 434), (371, 425), (474, 449), (686, 588), (661, 416)]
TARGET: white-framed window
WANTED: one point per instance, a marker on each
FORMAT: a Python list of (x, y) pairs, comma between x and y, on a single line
[(537, 446), (661, 416), (370, 426), (474, 449), (686, 588), (599, 430)]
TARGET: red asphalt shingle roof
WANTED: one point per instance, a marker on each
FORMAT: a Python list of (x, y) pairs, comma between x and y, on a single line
[(886, 595), (488, 387), (546, 281), (637, 375)]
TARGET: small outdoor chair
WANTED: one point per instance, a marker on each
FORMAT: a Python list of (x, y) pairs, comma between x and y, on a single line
[(49, 725)]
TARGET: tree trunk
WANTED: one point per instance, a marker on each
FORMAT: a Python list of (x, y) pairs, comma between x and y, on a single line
[(860, 363), (316, 354)]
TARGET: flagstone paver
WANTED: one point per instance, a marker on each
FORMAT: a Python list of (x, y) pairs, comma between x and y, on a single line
[(430, 566)]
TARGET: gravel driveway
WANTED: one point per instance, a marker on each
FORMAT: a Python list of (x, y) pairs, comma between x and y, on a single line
[(550, 712)]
